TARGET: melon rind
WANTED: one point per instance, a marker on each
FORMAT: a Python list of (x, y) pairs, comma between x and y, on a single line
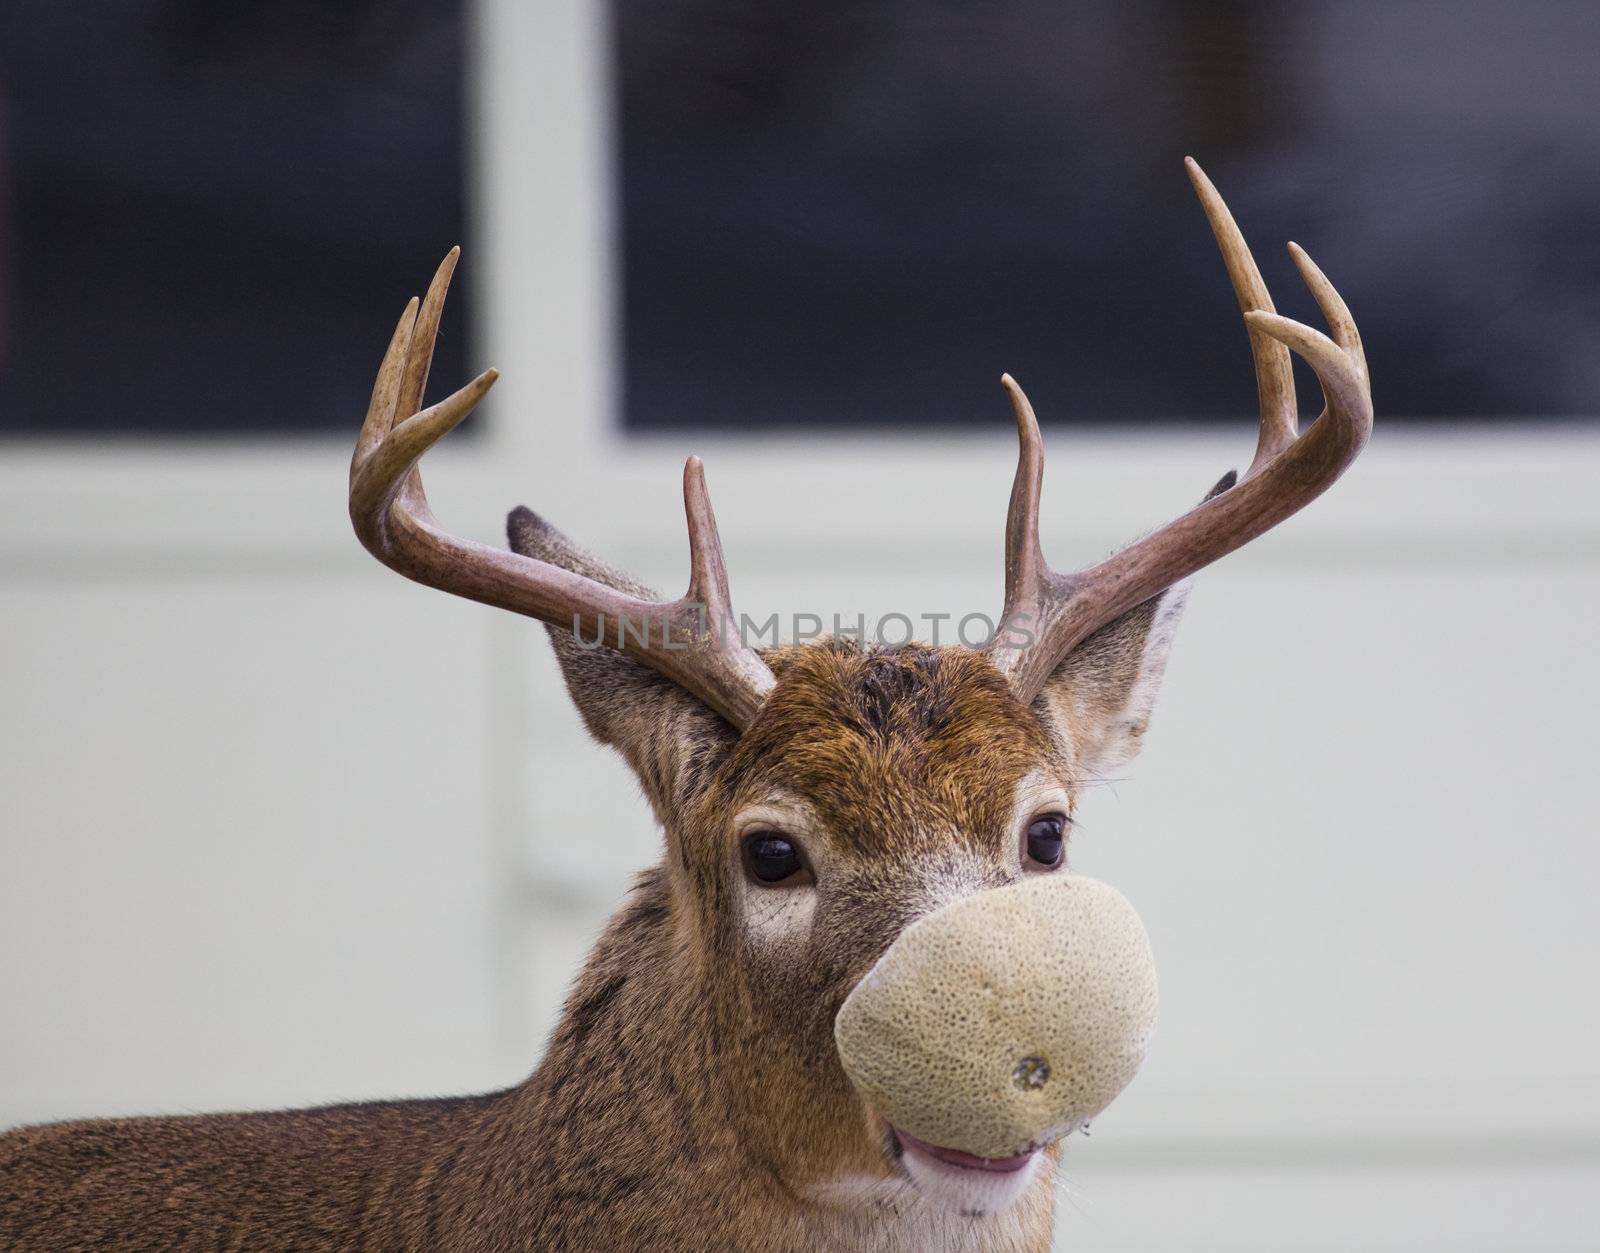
[(1057, 967)]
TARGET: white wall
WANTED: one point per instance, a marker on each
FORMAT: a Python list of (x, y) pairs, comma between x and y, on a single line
[(279, 828)]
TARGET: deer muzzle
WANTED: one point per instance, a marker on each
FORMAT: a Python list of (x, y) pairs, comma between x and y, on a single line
[(1005, 1020)]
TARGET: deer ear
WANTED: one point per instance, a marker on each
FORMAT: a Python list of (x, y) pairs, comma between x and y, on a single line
[(673, 742), (1098, 701)]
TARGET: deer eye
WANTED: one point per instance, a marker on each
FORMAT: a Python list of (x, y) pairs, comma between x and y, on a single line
[(1046, 837), (772, 858)]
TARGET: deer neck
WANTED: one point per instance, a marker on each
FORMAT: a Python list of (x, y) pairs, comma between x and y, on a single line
[(659, 1118)]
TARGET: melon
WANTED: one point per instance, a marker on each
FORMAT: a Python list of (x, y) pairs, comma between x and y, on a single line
[(1004, 1020)]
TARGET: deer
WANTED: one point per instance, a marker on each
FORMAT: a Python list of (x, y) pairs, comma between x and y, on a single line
[(823, 804)]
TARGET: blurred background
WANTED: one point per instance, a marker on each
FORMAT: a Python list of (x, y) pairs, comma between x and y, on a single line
[(277, 827)]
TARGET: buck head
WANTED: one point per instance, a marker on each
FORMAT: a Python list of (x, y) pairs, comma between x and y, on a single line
[(866, 869)]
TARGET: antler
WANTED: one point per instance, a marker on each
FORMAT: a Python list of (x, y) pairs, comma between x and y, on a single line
[(1048, 614), (686, 639)]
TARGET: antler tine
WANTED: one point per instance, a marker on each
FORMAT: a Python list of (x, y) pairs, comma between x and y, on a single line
[(415, 379), (1274, 372), (708, 573), (1344, 382), (385, 389), (382, 479), (1026, 572), (682, 639), (1289, 471), (704, 614), (1333, 307)]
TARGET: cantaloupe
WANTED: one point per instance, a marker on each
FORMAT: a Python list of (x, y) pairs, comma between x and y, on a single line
[(1006, 1019)]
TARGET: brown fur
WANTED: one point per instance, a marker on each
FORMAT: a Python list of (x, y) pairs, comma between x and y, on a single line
[(691, 1096)]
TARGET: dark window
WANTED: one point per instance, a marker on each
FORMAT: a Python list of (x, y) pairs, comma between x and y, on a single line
[(840, 214), (213, 212)]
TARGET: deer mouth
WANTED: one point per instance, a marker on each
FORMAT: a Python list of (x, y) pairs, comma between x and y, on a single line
[(956, 1159), (971, 1186)]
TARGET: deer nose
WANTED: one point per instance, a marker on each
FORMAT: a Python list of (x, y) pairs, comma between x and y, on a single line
[(1006, 1019)]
